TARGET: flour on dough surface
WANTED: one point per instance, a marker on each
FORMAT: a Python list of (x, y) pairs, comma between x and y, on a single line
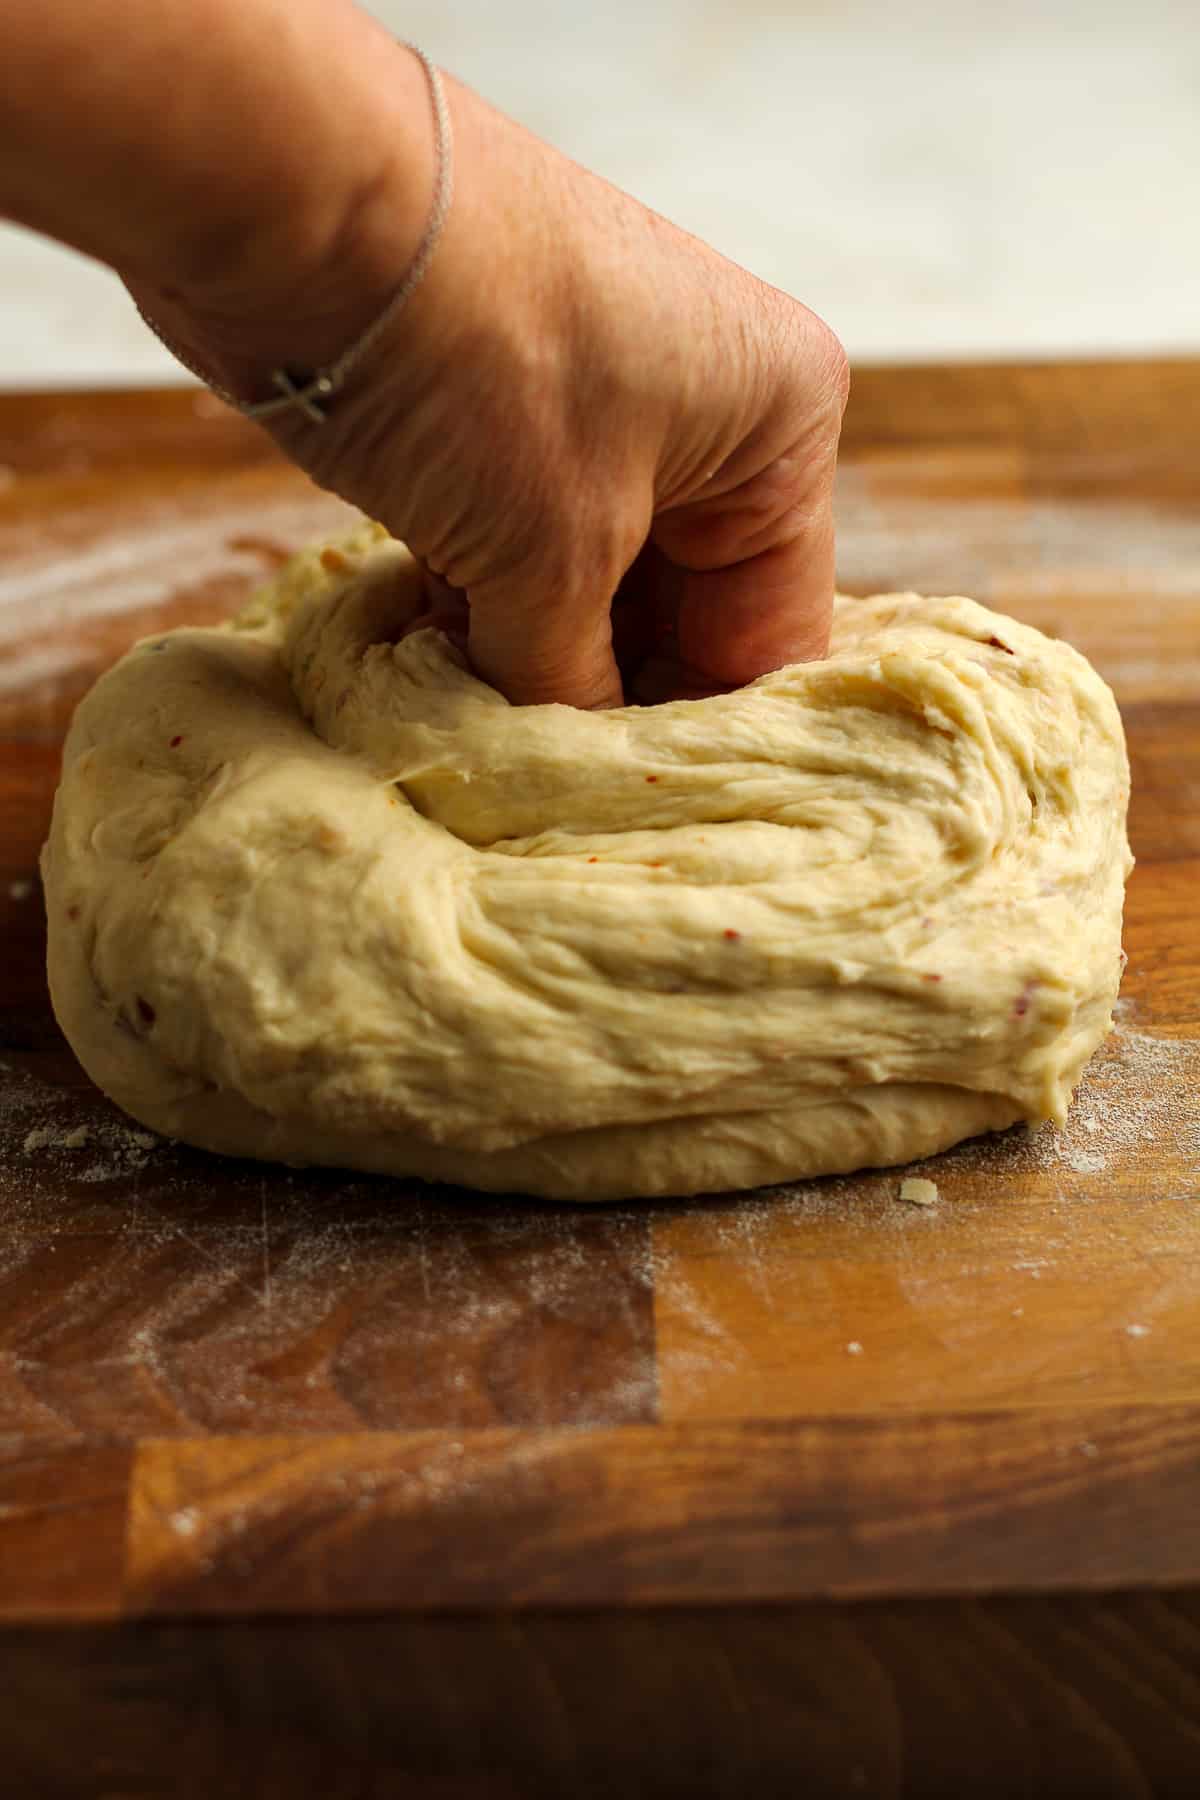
[(316, 895)]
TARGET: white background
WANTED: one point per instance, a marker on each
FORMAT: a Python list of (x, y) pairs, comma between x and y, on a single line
[(936, 179)]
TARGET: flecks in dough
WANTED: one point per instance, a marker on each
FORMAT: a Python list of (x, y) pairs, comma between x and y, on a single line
[(317, 893)]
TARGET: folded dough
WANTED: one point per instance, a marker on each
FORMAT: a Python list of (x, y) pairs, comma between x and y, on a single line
[(317, 895)]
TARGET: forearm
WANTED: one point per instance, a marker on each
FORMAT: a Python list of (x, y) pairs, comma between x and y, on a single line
[(177, 140)]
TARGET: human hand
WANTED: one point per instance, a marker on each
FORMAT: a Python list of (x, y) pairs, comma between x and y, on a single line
[(612, 450)]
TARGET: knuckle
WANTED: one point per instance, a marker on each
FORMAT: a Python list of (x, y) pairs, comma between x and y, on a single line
[(827, 377), (809, 384), (835, 367)]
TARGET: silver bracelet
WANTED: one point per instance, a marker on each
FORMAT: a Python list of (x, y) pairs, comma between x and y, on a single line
[(309, 393)]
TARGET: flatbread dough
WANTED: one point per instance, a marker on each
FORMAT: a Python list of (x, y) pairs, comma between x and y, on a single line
[(319, 896)]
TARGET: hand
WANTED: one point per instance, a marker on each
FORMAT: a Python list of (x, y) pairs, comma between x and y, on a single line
[(591, 429)]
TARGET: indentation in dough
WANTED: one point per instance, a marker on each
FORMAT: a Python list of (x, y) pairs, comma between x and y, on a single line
[(846, 915)]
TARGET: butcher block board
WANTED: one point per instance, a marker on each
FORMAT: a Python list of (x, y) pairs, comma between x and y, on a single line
[(816, 1416)]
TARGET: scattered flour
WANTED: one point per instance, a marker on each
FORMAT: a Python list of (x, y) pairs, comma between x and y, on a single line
[(1140, 1093), (322, 1302), (20, 890), (132, 561), (124, 1148)]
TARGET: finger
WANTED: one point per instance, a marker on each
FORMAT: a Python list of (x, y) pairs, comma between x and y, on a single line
[(762, 613), (541, 640), (439, 607), (758, 572)]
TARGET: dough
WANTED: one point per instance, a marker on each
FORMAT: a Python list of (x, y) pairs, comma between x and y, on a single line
[(319, 896)]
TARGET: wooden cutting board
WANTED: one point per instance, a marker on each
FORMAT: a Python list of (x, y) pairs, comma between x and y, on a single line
[(240, 1392)]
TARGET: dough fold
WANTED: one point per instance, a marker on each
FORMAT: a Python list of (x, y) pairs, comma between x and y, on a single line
[(318, 895)]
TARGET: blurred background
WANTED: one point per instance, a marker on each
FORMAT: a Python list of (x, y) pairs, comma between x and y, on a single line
[(938, 180)]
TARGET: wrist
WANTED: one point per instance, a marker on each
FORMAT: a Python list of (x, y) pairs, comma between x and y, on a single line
[(324, 227)]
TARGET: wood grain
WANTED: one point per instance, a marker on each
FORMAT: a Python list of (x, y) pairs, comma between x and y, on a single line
[(63, 1515), (925, 1503), (1091, 1696), (1121, 422), (312, 1304), (227, 1391)]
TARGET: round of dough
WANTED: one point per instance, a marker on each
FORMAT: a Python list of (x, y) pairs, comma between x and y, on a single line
[(319, 895)]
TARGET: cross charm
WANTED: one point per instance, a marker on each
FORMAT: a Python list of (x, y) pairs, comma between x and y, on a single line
[(307, 398)]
